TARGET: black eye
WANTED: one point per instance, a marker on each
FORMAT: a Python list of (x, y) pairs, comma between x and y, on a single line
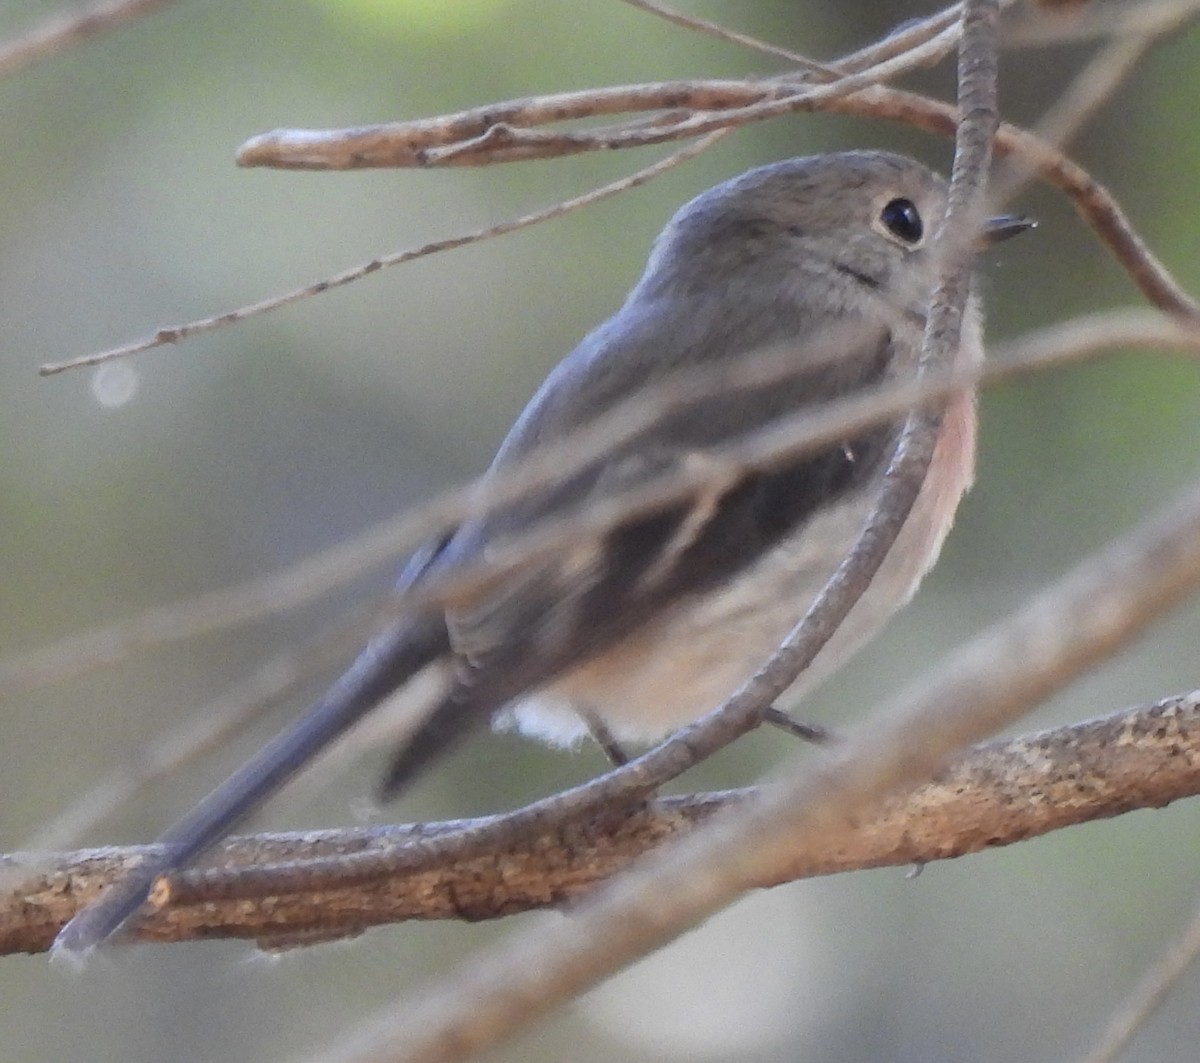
[(902, 220)]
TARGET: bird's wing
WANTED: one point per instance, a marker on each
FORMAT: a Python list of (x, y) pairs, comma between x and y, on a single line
[(556, 610)]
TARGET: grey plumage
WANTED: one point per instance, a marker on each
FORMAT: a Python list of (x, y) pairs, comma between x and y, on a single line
[(655, 622)]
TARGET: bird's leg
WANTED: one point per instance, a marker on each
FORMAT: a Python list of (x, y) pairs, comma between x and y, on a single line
[(809, 732), (602, 736)]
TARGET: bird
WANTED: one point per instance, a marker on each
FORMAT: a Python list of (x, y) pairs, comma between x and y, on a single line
[(635, 631)]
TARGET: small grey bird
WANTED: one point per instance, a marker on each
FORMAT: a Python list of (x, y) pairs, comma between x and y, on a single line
[(654, 623)]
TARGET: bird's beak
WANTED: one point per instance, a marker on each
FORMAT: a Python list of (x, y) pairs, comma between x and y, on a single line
[(1001, 228)]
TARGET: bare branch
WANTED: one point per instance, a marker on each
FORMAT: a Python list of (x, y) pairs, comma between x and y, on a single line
[(712, 29), (59, 33), (1088, 333), (181, 332), (1149, 995), (993, 795), (1088, 92), (504, 132), (206, 729), (911, 35), (1035, 28)]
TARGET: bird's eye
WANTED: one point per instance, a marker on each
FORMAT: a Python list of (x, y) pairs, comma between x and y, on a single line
[(902, 219)]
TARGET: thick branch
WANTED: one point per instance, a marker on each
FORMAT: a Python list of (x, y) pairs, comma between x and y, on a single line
[(995, 794)]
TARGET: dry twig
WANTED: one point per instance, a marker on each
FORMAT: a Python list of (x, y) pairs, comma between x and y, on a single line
[(208, 728), (64, 31), (1033, 27), (1150, 993), (918, 45), (177, 333), (713, 29), (1079, 102)]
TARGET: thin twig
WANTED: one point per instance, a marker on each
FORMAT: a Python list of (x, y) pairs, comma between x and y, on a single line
[(1036, 28), (208, 728), (1091, 88), (63, 31), (1088, 333), (487, 134), (181, 332), (1149, 995), (505, 132), (1094, 85), (501, 132), (721, 33), (911, 35)]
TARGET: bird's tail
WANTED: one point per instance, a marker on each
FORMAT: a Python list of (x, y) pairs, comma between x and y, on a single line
[(384, 667), (453, 718)]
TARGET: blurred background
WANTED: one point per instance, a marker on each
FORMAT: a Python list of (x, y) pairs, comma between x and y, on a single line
[(233, 455)]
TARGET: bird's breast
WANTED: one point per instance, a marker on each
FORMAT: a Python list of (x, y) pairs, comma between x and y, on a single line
[(691, 659)]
